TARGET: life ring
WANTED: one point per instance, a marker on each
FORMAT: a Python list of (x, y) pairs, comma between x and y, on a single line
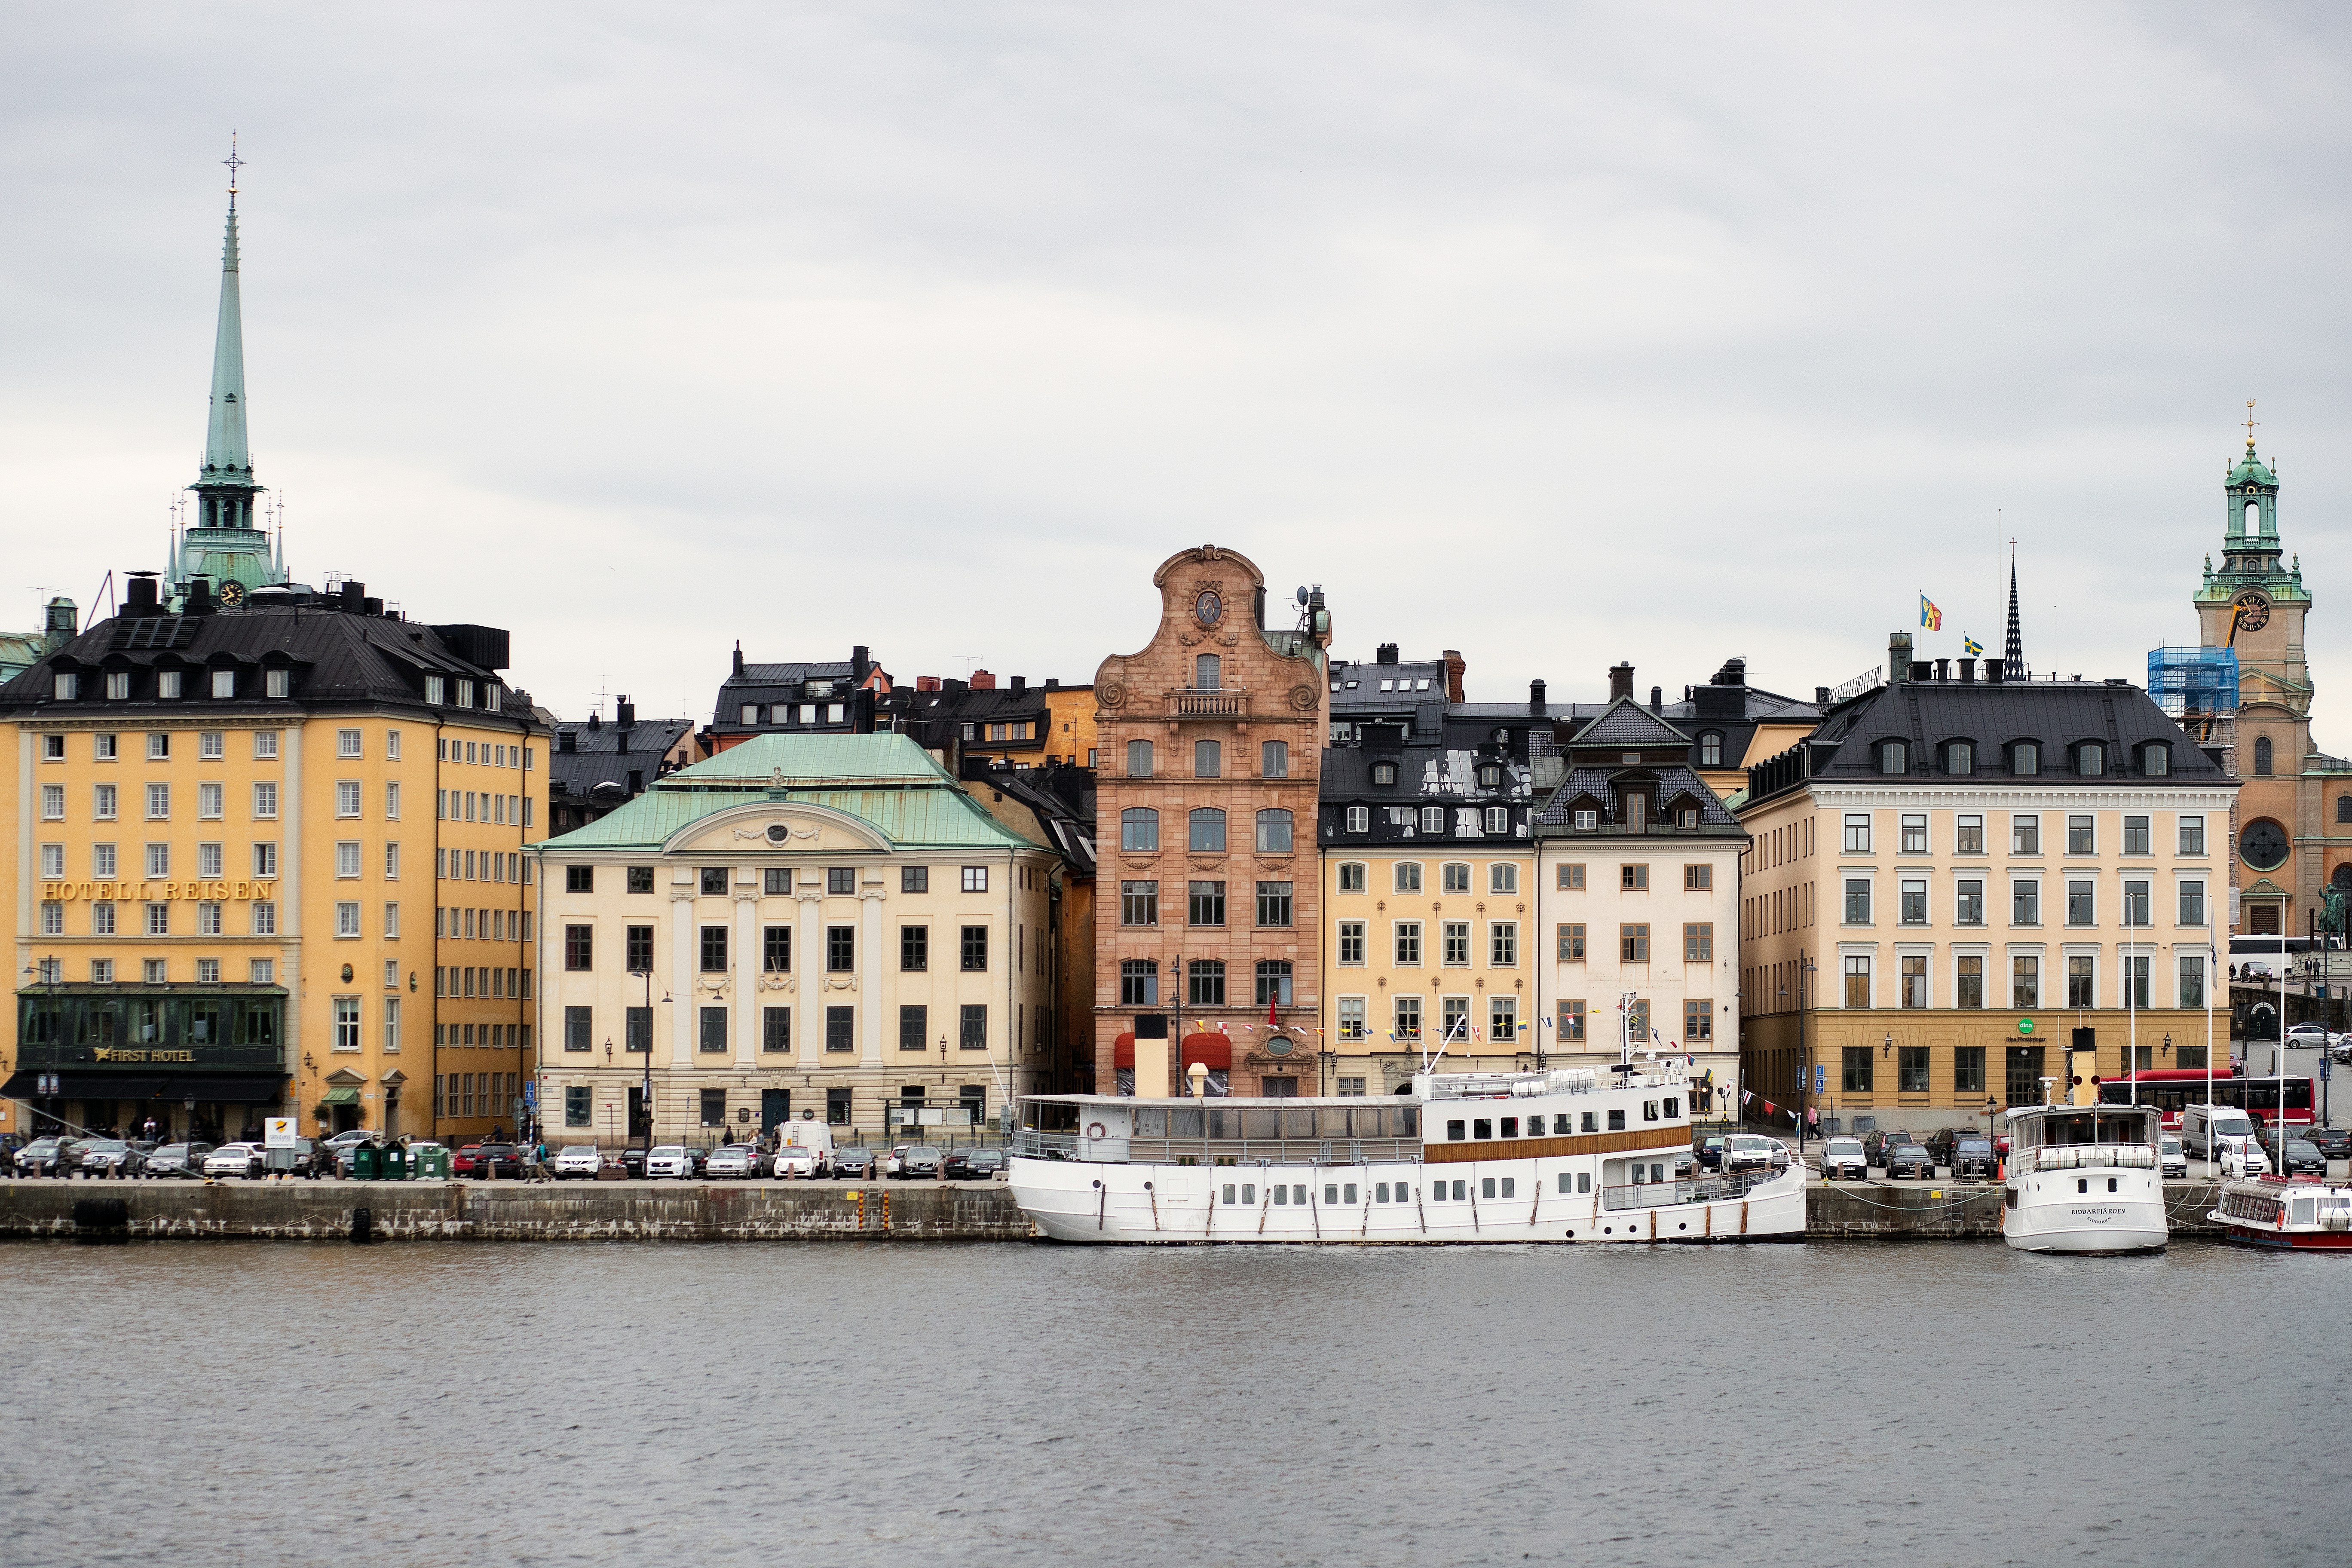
[(1096, 1130)]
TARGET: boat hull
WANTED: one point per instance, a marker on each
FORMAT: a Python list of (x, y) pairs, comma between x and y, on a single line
[(1146, 1205), (2046, 1215), (2335, 1241)]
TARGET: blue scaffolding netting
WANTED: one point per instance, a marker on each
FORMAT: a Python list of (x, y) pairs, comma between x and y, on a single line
[(2193, 679)]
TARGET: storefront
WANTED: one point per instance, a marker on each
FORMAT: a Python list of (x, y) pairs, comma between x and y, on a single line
[(195, 1060)]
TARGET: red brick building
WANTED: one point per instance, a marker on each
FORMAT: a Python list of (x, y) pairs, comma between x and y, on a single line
[(1208, 919)]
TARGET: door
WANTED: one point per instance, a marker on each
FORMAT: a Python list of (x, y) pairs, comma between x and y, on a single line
[(775, 1106), (1279, 1087), (2024, 1085), (639, 1129)]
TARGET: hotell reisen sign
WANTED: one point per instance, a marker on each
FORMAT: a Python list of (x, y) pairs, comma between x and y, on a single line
[(158, 893)]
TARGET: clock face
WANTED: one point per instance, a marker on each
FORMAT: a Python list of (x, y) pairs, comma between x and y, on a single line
[(2253, 610), (232, 594), (1208, 609), (2264, 844)]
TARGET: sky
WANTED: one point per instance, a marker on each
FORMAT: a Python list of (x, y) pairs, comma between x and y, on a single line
[(1557, 336)]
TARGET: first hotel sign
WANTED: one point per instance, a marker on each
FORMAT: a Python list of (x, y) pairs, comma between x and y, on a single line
[(215, 892)]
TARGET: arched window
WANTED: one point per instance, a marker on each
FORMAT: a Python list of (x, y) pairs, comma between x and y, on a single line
[(2156, 760), (2253, 517), (1208, 672), (1960, 757), (2025, 758), (2344, 808), (2091, 760), (2342, 878), (1710, 750), (1208, 759), (1891, 756), (1207, 830), (2262, 756), (1139, 759), (1274, 831), (1453, 876), (1139, 828)]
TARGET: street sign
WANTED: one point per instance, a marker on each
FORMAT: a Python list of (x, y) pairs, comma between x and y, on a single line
[(530, 1092), (278, 1133), (1820, 1078)]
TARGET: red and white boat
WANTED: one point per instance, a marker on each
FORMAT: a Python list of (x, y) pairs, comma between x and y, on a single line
[(2300, 1214)]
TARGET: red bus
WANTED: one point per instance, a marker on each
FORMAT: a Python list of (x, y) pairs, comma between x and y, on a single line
[(2174, 1088)]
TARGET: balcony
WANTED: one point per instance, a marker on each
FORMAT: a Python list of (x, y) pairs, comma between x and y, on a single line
[(1226, 702)]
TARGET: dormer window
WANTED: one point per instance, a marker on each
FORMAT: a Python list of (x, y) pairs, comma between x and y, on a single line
[(2025, 758), (1959, 757), (118, 685), (1384, 773), (1586, 820), (1686, 818), (436, 688), (1891, 756), (167, 684), (68, 687), (1710, 750), (2156, 760), (1490, 776), (2091, 760)]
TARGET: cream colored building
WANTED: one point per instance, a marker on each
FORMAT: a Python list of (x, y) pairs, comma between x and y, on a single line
[(814, 927)]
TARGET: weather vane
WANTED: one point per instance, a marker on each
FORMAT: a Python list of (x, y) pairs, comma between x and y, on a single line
[(233, 164)]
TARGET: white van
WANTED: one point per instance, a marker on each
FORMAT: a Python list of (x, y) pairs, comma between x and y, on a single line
[(2200, 1124)]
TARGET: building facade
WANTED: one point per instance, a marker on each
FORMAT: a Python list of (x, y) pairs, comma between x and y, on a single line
[(813, 927), (1210, 739), (1958, 888), (597, 766), (799, 699)]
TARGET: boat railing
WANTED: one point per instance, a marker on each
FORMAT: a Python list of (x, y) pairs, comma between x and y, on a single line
[(2088, 1156), (1690, 1190), (1228, 1151)]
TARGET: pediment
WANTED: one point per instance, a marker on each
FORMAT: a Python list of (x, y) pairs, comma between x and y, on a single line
[(775, 827)]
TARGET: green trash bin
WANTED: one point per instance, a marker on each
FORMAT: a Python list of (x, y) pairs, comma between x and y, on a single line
[(393, 1166), (366, 1161), (430, 1166)]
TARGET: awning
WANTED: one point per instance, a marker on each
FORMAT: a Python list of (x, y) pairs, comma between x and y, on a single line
[(341, 1096), (1122, 1052), (1215, 1051), (25, 1083), (227, 1090)]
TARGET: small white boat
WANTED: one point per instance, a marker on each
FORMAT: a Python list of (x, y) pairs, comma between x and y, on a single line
[(2297, 1213), (2084, 1179), (1463, 1157)]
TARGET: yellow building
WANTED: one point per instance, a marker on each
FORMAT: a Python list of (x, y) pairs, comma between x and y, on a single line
[(268, 862)]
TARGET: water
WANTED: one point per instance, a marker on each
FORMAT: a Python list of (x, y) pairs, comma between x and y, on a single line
[(799, 1405)]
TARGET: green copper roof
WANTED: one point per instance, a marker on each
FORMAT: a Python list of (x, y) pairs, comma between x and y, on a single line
[(227, 459), (2251, 471), (885, 780)]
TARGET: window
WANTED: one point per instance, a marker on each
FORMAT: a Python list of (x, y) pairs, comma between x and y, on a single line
[(1432, 819), (103, 798), (265, 859), (1910, 1070), (2025, 758), (1454, 944), (1856, 1068), (1273, 903), (2192, 980), (159, 801), (1633, 879), (210, 801), (1139, 828), (1698, 1020), (1351, 877), (580, 878), (1710, 750), (1571, 878), (1633, 943), (840, 1031), (2091, 760), (347, 918), (712, 1036), (1912, 894), (1503, 877), (1915, 832), (1208, 672), (2192, 904), (1857, 901), (347, 857), (1968, 987), (1352, 1020), (1407, 1015), (2082, 982), (973, 954), (159, 744), (264, 745), (975, 878), (347, 797), (1503, 944), (1274, 831), (159, 859), (1205, 903), (2026, 834), (1968, 901), (52, 802), (2135, 969), (391, 862), (1206, 983), (1359, 819), (67, 686), (1139, 982), (1891, 755), (2082, 835), (841, 880), (1503, 1020), (1407, 941), (1699, 941), (840, 949), (1857, 980), (265, 799), (1571, 942), (2192, 830), (580, 947), (264, 917), (1857, 833), (2025, 904), (2136, 836), (2024, 983), (1967, 833), (637, 948), (1351, 942), (1914, 967), (2138, 904), (578, 1028), (347, 1024), (1207, 831), (1274, 982), (1959, 757), (1138, 904), (1453, 876), (713, 950), (1139, 759), (1408, 875), (713, 880), (1571, 1020), (2081, 903), (1384, 773)]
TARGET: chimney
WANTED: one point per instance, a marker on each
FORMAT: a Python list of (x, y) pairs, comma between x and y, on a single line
[(983, 681), (1621, 681), (354, 599), (1655, 693), (859, 664), (624, 713), (1052, 683), (1385, 654), (140, 598), (62, 617), (738, 658), (1536, 695), (926, 683), (373, 607), (1020, 683), (1898, 657), (1995, 672), (1454, 669), (1943, 669), (199, 601), (1968, 672), (595, 719), (1821, 695)]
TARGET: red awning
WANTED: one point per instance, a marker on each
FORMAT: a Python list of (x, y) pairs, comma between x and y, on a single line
[(1214, 1051), (1122, 1053)]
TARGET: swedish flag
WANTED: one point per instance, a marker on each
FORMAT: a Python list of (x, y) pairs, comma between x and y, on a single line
[(1969, 646)]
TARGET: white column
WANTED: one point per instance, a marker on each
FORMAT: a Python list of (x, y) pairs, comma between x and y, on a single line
[(869, 977), (683, 1015), (808, 965), (747, 968)]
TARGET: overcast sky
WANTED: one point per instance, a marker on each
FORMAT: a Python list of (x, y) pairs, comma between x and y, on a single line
[(1554, 335)]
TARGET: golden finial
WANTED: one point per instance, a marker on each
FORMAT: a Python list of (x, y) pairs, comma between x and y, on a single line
[(2249, 427)]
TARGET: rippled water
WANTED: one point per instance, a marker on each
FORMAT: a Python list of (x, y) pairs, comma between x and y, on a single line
[(801, 1405)]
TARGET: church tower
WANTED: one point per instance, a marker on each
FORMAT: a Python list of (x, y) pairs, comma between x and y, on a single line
[(2255, 607), (226, 545)]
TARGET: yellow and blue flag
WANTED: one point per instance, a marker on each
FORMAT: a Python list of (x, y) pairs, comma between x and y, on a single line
[(1929, 615), (1971, 647)]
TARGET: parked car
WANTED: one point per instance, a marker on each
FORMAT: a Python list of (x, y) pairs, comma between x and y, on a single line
[(2241, 1156), (1842, 1160), (736, 1162), (467, 1162), (2310, 1037), (103, 1157), (343, 1140), (1970, 1155), (176, 1160), (1747, 1152), (854, 1163), (1876, 1145), (919, 1160), (670, 1160), (975, 1165), (2175, 1159), (796, 1160), (1910, 1159), (2335, 1142), (235, 1159), (2203, 1126), (1708, 1151), (47, 1157), (632, 1160), (492, 1161), (580, 1159), (701, 1158), (2292, 1155)]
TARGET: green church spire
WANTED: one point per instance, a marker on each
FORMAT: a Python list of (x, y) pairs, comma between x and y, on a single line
[(227, 459)]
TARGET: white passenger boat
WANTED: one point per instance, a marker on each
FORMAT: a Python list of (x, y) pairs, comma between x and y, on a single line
[(2298, 1213), (1460, 1158), (2084, 1179)]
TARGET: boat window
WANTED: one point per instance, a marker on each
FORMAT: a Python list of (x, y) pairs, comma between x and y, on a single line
[(1331, 1192), (1332, 1122), (1565, 1183), (1673, 1107), (1454, 1131), (2082, 1184), (1151, 1123), (1584, 1181), (1381, 1193), (1487, 1188), (1461, 1191), (1229, 1192), (1261, 1124), (1639, 1175), (2303, 1211), (1298, 1124), (1657, 1172), (2111, 1184), (1482, 1129), (1510, 1127), (1509, 1183), (1185, 1124), (1592, 1122), (1281, 1194), (1249, 1193), (1352, 1192), (1649, 1111), (1299, 1193), (1617, 1120), (1369, 1124)]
